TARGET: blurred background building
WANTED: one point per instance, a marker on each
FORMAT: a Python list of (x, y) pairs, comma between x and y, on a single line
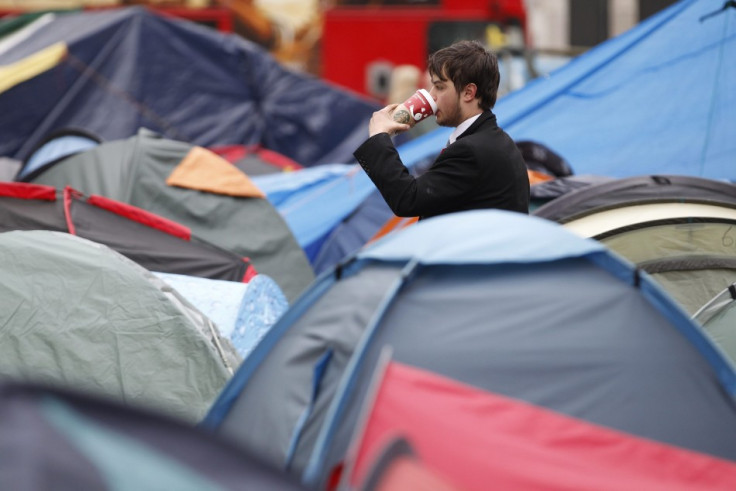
[(358, 44)]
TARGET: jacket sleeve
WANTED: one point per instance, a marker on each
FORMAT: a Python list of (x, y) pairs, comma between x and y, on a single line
[(450, 177)]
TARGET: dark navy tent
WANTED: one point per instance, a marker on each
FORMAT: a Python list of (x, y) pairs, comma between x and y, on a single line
[(62, 440), (111, 72), (657, 99), (511, 304)]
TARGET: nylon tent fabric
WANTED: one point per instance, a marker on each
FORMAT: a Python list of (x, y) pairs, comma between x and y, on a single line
[(15, 23), (671, 226), (61, 143), (718, 318), (254, 160), (515, 445), (693, 259), (17, 29), (62, 440), (76, 314), (147, 239), (8, 168), (655, 99), (452, 295), (353, 232), (183, 80), (314, 201), (135, 171), (549, 190), (307, 201), (242, 312), (544, 192), (638, 189), (358, 228), (601, 222)]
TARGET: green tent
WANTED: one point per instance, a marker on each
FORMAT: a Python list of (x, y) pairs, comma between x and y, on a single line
[(76, 314), (193, 187), (679, 229), (692, 258)]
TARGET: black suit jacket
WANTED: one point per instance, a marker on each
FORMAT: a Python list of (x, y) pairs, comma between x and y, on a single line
[(482, 169)]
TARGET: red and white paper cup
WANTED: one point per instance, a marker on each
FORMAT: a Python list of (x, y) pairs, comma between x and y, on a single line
[(416, 108)]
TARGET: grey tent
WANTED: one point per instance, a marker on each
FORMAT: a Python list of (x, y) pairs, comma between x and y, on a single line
[(511, 304), (195, 188), (74, 313), (718, 318)]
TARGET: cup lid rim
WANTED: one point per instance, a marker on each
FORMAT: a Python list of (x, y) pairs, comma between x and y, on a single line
[(428, 97)]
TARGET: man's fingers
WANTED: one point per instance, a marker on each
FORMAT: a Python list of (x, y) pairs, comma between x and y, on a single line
[(388, 108)]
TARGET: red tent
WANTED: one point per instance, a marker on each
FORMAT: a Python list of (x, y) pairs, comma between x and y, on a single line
[(473, 439)]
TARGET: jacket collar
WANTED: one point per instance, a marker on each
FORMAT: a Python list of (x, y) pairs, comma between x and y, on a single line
[(484, 116)]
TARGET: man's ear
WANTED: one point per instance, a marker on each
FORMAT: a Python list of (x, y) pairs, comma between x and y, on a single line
[(469, 92)]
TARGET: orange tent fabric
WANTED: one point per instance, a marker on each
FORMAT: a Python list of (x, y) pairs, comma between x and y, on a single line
[(196, 171)]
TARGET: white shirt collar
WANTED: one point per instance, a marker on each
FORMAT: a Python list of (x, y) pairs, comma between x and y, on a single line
[(462, 127)]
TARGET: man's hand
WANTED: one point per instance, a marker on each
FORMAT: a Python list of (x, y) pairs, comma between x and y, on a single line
[(383, 122)]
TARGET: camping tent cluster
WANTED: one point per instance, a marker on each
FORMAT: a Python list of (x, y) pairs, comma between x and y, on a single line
[(476, 297), (111, 173), (193, 187), (164, 259)]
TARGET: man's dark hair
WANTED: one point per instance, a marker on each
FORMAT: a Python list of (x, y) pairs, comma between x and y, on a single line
[(467, 62)]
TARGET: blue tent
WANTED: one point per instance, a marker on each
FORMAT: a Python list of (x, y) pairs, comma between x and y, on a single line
[(477, 297), (112, 72), (243, 312), (658, 99), (314, 201)]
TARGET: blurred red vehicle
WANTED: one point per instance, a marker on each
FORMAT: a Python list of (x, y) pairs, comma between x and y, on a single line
[(363, 40)]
